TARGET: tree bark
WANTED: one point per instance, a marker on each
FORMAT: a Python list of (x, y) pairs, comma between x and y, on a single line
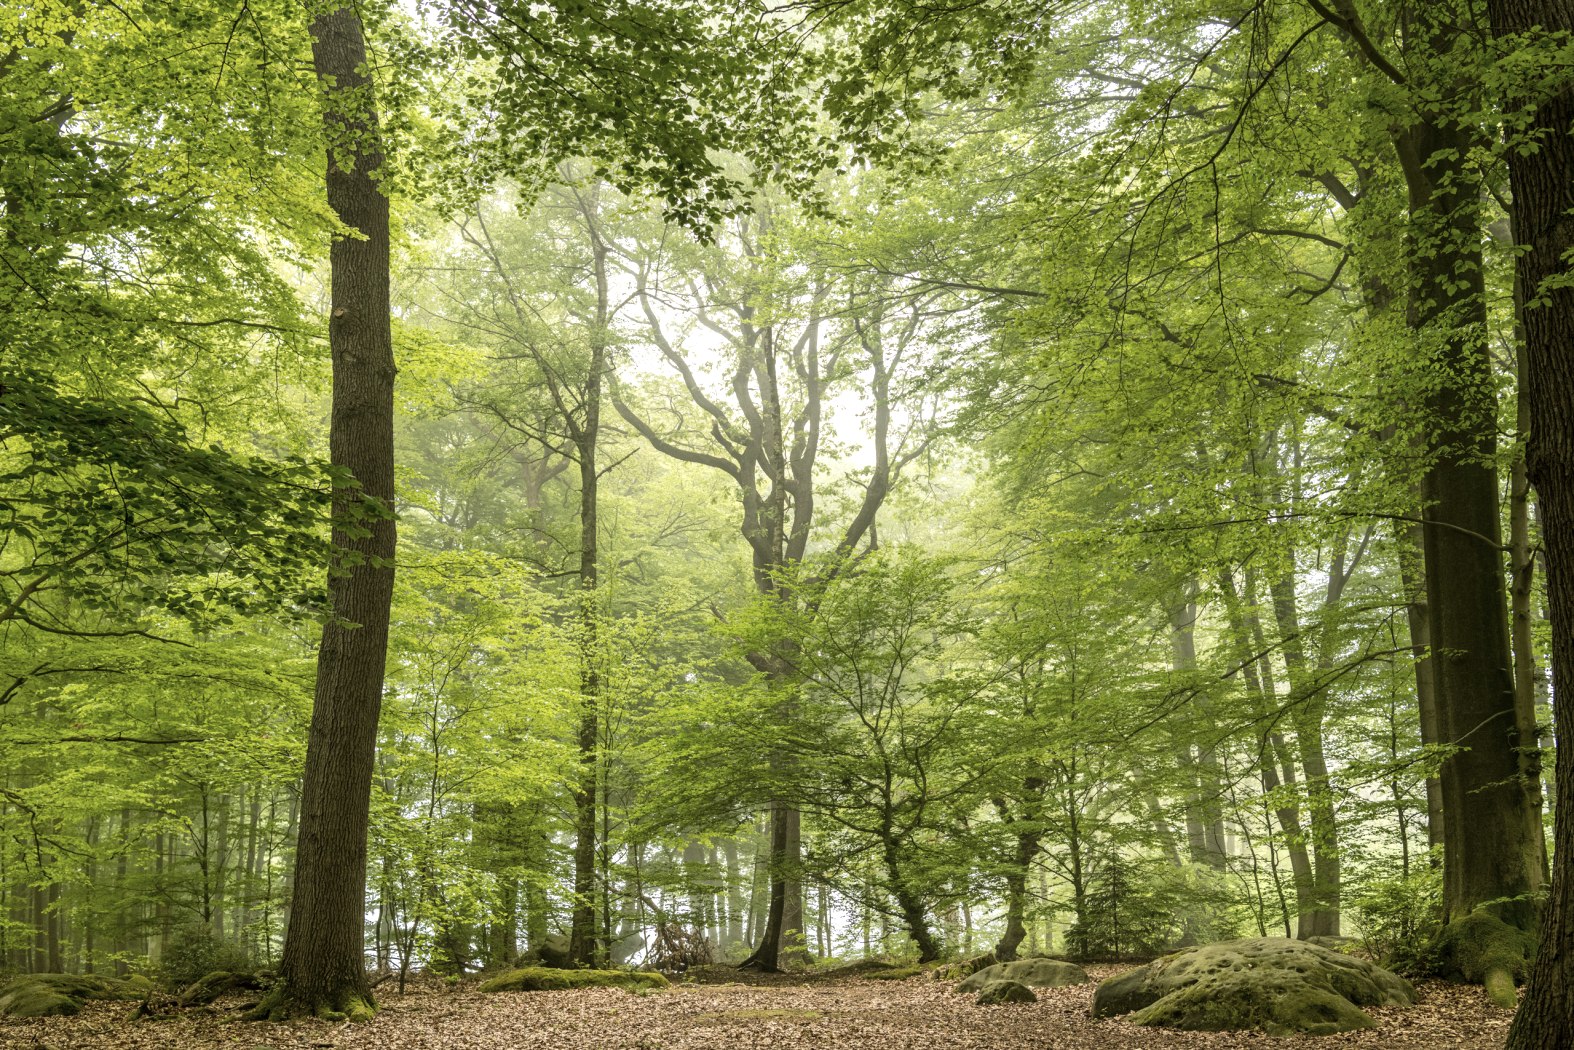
[(585, 432), (1492, 843), (1543, 187), (322, 971)]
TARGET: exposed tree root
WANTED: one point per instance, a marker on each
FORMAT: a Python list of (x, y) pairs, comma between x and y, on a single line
[(1483, 949), (281, 1005)]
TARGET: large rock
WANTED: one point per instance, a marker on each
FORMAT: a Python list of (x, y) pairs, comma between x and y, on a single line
[(1272, 984), (998, 992), (1034, 973)]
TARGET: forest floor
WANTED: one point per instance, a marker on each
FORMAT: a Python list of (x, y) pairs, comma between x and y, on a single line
[(721, 1011)]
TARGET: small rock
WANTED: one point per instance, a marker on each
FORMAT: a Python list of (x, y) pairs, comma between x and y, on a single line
[(997, 992)]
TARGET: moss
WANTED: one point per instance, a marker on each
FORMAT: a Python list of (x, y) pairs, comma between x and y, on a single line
[(544, 979), (965, 968), (1279, 1003), (1267, 983), (1034, 973), (60, 994), (35, 1000), (898, 973), (1483, 949), (280, 1005), (996, 993)]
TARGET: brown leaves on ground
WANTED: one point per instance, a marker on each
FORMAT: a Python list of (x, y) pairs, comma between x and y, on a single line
[(850, 1012)]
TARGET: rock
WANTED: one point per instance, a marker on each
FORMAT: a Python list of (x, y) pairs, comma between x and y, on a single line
[(996, 992), (965, 968), (1034, 973), (62, 994), (548, 979), (1272, 984)]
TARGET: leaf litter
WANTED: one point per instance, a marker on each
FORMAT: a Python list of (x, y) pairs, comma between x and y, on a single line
[(729, 1011)]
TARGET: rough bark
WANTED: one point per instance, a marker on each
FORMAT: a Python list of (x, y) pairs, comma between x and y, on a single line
[(322, 971), (1543, 187), (1499, 858)]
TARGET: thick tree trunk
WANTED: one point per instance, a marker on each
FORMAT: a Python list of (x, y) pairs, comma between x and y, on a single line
[(1492, 841), (322, 970), (1543, 185)]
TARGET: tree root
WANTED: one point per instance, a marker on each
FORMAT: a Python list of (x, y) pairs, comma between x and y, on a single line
[(280, 1005), (1483, 949)]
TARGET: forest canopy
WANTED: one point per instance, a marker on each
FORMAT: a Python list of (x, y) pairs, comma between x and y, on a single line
[(652, 486)]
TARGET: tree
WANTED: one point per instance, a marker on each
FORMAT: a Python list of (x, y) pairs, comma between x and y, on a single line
[(322, 971), (785, 363), (1540, 124)]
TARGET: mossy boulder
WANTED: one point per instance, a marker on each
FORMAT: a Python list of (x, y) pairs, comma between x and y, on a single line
[(1271, 984), (965, 968), (1483, 949), (62, 994), (997, 992), (547, 979), (1034, 973)]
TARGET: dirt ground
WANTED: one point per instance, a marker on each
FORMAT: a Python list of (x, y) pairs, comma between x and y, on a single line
[(720, 1012)]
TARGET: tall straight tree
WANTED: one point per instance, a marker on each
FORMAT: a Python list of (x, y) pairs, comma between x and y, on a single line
[(322, 971), (1541, 170)]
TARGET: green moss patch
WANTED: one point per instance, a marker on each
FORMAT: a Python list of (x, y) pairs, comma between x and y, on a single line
[(62, 994), (544, 979), (899, 973), (1270, 984), (1483, 949), (997, 993)]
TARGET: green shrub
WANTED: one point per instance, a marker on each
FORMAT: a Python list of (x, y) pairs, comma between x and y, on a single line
[(195, 951), (1400, 917)]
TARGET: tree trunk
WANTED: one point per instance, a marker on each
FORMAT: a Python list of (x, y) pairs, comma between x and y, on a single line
[(322, 971), (1543, 185), (1492, 841)]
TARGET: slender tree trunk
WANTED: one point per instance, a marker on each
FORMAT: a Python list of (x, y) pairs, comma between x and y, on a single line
[(1412, 579), (1543, 185), (322, 970)]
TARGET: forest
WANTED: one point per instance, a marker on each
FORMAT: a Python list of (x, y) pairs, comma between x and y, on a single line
[(722, 523)]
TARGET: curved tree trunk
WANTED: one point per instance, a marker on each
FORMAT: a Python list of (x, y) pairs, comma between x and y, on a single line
[(322, 971)]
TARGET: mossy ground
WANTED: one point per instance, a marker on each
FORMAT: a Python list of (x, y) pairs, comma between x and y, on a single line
[(545, 979), (62, 994), (281, 1005)]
